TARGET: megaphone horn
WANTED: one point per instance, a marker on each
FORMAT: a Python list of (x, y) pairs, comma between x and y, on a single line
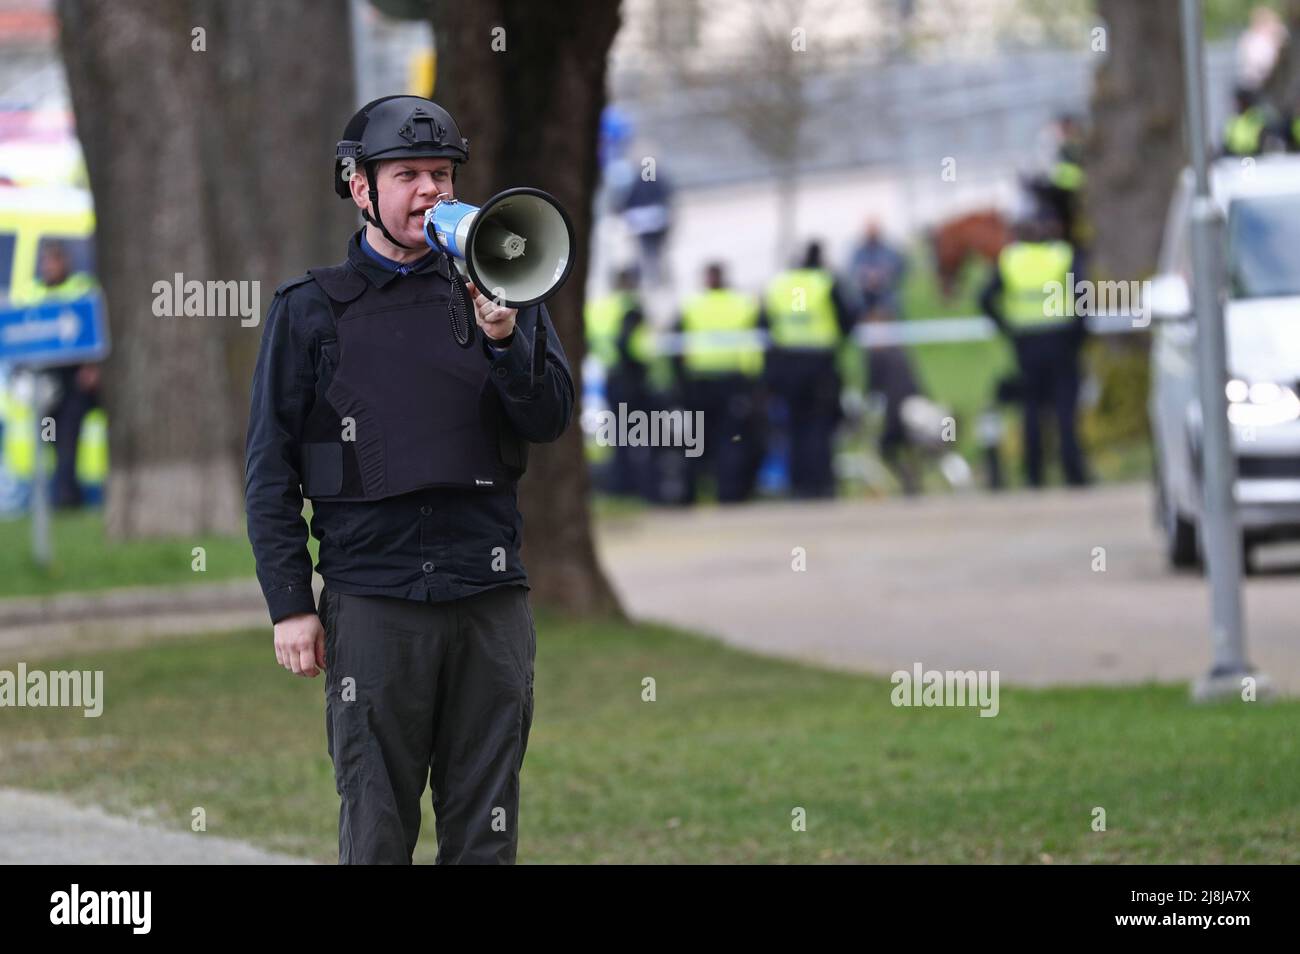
[(517, 247)]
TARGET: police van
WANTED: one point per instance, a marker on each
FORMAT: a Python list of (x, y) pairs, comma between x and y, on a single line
[(31, 219), (1260, 202)]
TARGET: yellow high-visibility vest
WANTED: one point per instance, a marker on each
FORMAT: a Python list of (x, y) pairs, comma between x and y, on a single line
[(76, 285), (604, 321), (92, 448), (19, 449), (721, 310), (18, 452), (92, 442), (1068, 175), (1243, 134), (1028, 269), (800, 310), (641, 344)]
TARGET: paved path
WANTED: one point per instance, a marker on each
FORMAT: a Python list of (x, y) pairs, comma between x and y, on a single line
[(979, 582), (986, 582), (36, 828)]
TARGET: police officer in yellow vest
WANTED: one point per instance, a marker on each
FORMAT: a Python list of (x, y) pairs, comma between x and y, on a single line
[(719, 368), (1031, 297), (618, 336), (1251, 126), (1066, 178), (77, 461), (808, 318)]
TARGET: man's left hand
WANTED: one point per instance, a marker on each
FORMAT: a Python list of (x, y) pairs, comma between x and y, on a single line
[(497, 321)]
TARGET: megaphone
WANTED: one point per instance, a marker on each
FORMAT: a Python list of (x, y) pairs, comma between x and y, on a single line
[(517, 248)]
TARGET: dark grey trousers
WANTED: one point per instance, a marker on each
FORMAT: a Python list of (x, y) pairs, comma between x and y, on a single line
[(437, 691)]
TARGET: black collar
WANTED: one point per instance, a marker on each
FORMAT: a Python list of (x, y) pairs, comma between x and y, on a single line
[(378, 275)]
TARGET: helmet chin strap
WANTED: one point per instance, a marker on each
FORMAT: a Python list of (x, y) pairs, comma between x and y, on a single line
[(371, 169)]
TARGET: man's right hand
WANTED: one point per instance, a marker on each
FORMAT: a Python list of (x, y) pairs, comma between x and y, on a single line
[(300, 644)]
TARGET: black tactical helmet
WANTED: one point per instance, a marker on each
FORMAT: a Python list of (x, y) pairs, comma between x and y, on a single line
[(395, 127)]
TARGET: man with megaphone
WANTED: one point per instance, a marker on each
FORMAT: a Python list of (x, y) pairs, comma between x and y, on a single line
[(401, 402)]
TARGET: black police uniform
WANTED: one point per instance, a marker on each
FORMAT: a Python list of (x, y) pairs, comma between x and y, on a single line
[(808, 382), (409, 446)]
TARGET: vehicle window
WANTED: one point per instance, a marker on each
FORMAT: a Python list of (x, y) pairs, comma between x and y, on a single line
[(81, 253), (1264, 246)]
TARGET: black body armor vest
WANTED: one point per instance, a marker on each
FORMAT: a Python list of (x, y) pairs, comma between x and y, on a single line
[(405, 407)]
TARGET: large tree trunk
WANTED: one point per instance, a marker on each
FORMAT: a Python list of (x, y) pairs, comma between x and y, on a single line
[(531, 113), (1136, 151), (281, 92), (211, 163)]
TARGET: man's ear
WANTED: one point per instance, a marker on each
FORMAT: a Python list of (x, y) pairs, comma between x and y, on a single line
[(359, 184)]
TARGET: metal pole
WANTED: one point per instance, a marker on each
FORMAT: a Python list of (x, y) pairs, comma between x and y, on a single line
[(360, 49), (1222, 545), (40, 496)]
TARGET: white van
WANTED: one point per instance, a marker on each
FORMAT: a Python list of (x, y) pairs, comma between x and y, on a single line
[(1260, 199)]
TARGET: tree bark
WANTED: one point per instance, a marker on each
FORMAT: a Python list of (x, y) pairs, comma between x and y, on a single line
[(213, 164), (1136, 151), (531, 112)]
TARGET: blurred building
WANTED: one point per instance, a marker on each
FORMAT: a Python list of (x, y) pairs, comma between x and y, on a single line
[(891, 94)]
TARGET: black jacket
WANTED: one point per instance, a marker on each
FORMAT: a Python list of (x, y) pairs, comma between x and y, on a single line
[(432, 544)]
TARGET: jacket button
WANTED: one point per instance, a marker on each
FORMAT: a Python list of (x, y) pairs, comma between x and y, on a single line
[(426, 510), (428, 566), (499, 372)]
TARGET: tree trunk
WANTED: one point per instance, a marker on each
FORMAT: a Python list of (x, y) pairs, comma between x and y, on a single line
[(1136, 150), (531, 112), (208, 163), (279, 96)]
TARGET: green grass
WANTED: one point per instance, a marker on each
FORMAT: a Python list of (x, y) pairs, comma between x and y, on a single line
[(921, 295), (711, 771), (84, 559), (962, 376)]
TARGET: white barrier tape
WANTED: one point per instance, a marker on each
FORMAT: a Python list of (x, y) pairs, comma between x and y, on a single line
[(894, 333)]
